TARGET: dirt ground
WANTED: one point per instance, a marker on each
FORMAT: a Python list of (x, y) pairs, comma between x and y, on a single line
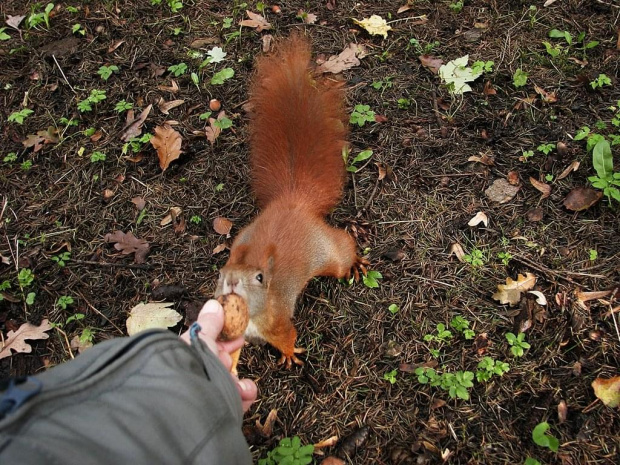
[(57, 200)]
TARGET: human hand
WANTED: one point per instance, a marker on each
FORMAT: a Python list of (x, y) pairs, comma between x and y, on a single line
[(211, 321)]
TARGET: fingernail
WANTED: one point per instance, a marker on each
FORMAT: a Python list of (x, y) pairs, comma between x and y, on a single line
[(212, 306), (243, 386)]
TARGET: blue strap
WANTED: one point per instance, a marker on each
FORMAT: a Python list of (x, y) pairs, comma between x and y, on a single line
[(18, 392)]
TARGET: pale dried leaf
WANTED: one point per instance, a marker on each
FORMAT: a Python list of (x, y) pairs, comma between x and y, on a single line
[(404, 8), (457, 250), (510, 293), (562, 411), (481, 217), (329, 442), (134, 128), (485, 159), (594, 295), (128, 244), (173, 88), (167, 142), (549, 3), (542, 187), (222, 225), (547, 97), (220, 248), (115, 45), (540, 298), (267, 39), (150, 316), (375, 25), (256, 21), (139, 202), (501, 191), (607, 390), (14, 21), (574, 166), (347, 59), (80, 346), (16, 340), (307, 18), (165, 107)]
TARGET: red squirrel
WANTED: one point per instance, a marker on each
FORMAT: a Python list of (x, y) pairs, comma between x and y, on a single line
[(298, 130)]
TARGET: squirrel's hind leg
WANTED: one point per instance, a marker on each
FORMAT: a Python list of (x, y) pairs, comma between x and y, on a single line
[(338, 258)]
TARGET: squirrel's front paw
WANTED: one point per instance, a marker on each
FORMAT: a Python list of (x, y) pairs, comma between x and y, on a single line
[(288, 359), (360, 264)]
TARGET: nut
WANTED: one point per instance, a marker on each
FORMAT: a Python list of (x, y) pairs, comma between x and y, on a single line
[(236, 316), (214, 104)]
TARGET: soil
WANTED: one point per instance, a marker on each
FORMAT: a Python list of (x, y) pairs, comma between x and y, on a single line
[(406, 222)]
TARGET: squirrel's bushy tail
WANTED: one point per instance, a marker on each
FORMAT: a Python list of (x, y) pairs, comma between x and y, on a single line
[(297, 130)]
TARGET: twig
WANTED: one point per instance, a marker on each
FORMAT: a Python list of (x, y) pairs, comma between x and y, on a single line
[(131, 266), (370, 199), (66, 340), (608, 4), (543, 269), (99, 312), (63, 75), (436, 108)]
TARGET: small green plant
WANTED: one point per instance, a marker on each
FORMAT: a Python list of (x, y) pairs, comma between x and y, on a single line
[(531, 461), (89, 132), (75, 317), (78, 29), (205, 116), (361, 115), (541, 438), (195, 219), (428, 48), (553, 50), (97, 156), (178, 69), (222, 76), (122, 106), (480, 67), (95, 97), (383, 85), (106, 71), (227, 23), (456, 7), (26, 165), (363, 155), (64, 301), (68, 122), (223, 123), (593, 254), (136, 143), (457, 384), (390, 376), (25, 277), (219, 187), (600, 81), (175, 5), (475, 258), (4, 35), (19, 116), (35, 18), (546, 148), (505, 257), (403, 103), (606, 179), (289, 452), (489, 367), (548, 177), (519, 79), (10, 158), (443, 334), (517, 344), (371, 279), (461, 325), (61, 259), (393, 309), (526, 154), (4, 285), (72, 9), (30, 298)]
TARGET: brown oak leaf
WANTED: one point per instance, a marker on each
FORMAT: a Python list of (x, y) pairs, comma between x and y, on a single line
[(257, 21), (16, 340), (128, 244), (222, 225), (347, 59), (133, 128), (167, 142)]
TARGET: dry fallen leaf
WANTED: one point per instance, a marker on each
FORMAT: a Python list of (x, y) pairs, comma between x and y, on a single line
[(222, 225), (115, 45), (213, 131), (481, 217), (375, 25), (134, 128), (540, 298), (128, 244), (14, 21), (139, 202), (175, 212), (167, 142), (347, 59), (165, 107), (257, 21), (173, 88), (582, 198), (501, 191), (307, 18), (431, 63), (489, 89), (80, 346), (607, 390), (510, 293), (574, 166), (49, 136), (535, 214), (16, 340), (331, 460), (513, 178), (485, 159), (547, 97), (542, 187), (562, 411), (219, 248), (267, 39), (150, 316), (457, 250)]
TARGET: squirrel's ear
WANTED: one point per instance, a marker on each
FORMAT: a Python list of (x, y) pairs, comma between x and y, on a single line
[(237, 254)]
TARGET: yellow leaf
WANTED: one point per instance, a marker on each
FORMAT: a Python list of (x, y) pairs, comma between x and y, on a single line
[(607, 390), (375, 25), (510, 293), (150, 316)]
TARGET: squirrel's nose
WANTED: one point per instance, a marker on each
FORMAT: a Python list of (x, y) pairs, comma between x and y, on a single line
[(230, 283)]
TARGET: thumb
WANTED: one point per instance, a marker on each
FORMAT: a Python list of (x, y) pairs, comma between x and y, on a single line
[(211, 319)]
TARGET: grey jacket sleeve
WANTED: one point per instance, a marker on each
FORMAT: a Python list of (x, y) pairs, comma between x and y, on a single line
[(149, 399)]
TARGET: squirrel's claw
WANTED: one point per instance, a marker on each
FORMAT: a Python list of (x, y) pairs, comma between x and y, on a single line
[(287, 360), (360, 265)]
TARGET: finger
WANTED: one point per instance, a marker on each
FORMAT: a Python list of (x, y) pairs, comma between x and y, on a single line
[(231, 346), (211, 319), (248, 392), (225, 358)]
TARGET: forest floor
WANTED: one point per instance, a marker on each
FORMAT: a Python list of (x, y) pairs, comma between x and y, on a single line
[(67, 179)]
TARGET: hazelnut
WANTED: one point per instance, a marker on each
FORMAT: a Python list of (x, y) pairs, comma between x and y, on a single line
[(215, 105), (236, 316)]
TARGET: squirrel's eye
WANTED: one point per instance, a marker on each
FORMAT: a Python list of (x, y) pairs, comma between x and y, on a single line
[(259, 277)]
